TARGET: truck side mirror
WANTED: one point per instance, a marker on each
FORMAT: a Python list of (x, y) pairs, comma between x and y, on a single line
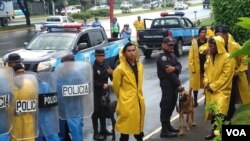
[(82, 46)]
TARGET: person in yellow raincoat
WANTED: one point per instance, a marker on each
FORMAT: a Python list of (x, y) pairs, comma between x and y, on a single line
[(219, 71), (139, 25), (23, 124), (196, 62), (210, 32), (240, 83), (127, 85)]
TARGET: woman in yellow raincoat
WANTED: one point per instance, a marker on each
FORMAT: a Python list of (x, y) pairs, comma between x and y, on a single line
[(127, 85), (196, 62), (240, 84), (219, 71)]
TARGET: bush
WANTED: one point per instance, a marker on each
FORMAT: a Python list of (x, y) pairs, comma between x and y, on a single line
[(227, 12), (91, 13)]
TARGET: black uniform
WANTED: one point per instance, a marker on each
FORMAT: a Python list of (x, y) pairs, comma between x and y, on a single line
[(169, 84), (100, 78)]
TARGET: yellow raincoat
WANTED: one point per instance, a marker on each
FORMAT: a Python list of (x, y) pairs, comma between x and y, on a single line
[(194, 66), (240, 69), (130, 106), (218, 75), (210, 33), (23, 124), (139, 25)]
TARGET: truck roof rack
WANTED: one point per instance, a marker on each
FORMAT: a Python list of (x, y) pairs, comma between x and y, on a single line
[(164, 14)]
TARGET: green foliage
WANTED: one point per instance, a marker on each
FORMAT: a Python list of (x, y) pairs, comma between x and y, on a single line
[(227, 12), (90, 14), (245, 50), (242, 115), (212, 108)]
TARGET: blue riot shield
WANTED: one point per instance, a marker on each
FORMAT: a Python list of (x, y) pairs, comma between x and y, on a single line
[(48, 105), (6, 79), (24, 107), (75, 89)]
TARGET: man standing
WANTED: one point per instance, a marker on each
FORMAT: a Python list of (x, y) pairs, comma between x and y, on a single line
[(127, 85), (139, 25), (168, 70), (96, 23), (101, 73), (115, 28), (12, 59)]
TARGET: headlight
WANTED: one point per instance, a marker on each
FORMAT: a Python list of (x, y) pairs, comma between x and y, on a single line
[(46, 65)]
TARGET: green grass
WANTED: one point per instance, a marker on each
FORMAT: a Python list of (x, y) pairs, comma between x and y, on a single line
[(206, 22), (7, 28), (242, 115)]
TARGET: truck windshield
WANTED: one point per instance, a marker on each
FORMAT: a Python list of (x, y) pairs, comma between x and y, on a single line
[(46, 42)]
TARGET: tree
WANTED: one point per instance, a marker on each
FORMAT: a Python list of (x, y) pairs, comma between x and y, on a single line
[(227, 12), (23, 5)]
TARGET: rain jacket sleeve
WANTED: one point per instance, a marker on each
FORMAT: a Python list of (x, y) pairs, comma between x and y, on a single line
[(117, 82), (191, 56)]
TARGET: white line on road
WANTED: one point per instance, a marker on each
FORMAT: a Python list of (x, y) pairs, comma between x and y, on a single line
[(5, 43), (172, 119)]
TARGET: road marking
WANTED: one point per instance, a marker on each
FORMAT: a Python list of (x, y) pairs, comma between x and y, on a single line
[(172, 119), (5, 43)]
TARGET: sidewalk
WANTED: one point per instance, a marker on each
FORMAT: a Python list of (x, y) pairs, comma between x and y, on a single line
[(196, 133)]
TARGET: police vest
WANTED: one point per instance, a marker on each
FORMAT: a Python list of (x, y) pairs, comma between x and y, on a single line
[(115, 28)]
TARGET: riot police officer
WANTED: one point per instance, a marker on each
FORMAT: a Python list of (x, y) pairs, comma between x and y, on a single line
[(101, 72), (168, 70)]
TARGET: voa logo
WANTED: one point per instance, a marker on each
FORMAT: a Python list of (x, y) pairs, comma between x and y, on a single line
[(236, 132)]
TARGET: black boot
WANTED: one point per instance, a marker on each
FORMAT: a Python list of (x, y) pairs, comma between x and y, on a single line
[(171, 128), (195, 98), (165, 133), (210, 136)]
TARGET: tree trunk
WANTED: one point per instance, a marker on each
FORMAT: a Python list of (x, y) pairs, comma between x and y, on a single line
[(53, 7), (25, 10)]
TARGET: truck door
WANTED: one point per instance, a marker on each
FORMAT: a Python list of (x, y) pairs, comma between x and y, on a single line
[(85, 54), (148, 23), (190, 31)]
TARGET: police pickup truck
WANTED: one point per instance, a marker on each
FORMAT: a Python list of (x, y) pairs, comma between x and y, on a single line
[(174, 25), (44, 52)]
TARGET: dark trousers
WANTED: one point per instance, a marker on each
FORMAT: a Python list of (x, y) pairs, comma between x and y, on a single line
[(138, 137), (98, 114), (115, 34), (168, 102), (233, 97)]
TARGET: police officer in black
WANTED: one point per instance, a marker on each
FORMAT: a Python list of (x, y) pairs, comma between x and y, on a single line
[(101, 72), (168, 70)]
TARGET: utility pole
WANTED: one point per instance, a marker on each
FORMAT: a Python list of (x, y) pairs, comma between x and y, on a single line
[(111, 13)]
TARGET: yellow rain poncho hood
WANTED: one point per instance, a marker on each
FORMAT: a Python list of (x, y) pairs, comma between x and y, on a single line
[(130, 106)]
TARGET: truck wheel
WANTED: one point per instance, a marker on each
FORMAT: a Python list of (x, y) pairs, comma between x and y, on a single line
[(179, 48), (147, 53)]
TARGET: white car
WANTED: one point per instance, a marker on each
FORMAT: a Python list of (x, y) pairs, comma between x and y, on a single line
[(180, 5), (71, 10), (57, 19), (99, 7), (125, 4)]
